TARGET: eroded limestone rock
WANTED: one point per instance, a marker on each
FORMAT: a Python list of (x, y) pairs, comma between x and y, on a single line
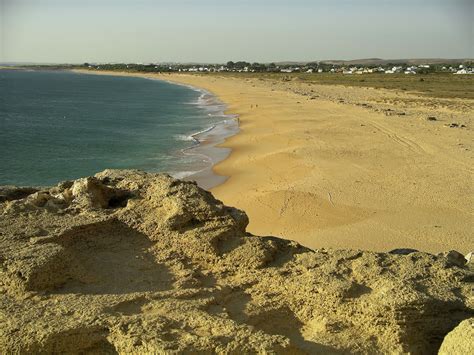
[(460, 340), (130, 262)]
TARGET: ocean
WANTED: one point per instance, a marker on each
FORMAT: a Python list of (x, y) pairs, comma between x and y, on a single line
[(60, 125)]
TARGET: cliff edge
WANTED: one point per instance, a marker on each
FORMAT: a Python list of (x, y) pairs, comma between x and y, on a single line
[(131, 262)]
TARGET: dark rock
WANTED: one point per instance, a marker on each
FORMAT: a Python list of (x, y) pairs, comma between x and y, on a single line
[(454, 257), (431, 118), (12, 193), (403, 251)]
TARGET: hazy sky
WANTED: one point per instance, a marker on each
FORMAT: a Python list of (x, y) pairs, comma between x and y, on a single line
[(77, 31)]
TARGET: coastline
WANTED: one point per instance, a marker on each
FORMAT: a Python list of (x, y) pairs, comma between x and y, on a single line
[(208, 141), (209, 146), (332, 173)]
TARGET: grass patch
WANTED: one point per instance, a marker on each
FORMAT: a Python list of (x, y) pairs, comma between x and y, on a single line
[(433, 85)]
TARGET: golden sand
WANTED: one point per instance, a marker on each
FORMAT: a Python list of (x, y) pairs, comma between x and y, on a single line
[(130, 262), (312, 165)]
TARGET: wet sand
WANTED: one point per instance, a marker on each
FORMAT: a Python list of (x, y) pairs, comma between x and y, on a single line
[(210, 148)]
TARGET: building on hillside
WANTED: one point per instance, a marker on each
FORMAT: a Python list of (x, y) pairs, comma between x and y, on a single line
[(465, 71)]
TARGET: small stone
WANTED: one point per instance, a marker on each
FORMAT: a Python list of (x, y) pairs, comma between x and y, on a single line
[(39, 199), (54, 204), (455, 258), (65, 184), (469, 258), (89, 191), (432, 118)]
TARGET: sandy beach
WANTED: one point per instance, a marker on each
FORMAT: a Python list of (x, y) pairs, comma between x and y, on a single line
[(237, 177), (347, 167)]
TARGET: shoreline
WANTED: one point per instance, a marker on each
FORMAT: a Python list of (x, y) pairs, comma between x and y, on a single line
[(309, 166), (208, 145), (207, 140), (353, 173)]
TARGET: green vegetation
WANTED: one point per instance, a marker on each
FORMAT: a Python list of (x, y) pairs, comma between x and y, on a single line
[(436, 80), (434, 85), (429, 80)]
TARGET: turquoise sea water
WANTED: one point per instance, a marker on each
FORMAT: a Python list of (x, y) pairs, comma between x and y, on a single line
[(61, 125)]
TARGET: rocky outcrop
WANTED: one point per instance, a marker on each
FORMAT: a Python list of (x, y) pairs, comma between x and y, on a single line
[(127, 261), (460, 340)]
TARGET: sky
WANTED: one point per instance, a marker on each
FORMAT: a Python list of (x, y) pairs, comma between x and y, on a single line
[(212, 31)]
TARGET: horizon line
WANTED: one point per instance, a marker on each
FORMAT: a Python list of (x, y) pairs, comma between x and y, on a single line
[(243, 60)]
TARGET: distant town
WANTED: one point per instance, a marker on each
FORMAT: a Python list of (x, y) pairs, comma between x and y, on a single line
[(312, 67)]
